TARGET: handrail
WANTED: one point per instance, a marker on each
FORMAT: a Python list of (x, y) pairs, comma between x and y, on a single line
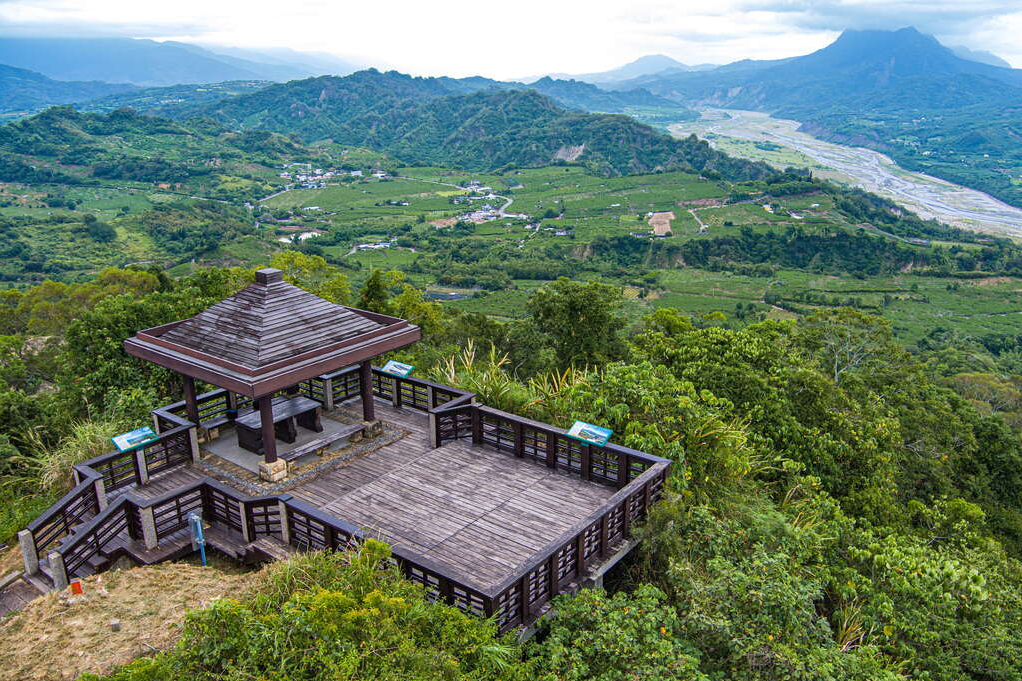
[(637, 476), (54, 523)]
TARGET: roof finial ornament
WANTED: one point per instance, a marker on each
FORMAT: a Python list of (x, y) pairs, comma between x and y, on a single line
[(268, 275)]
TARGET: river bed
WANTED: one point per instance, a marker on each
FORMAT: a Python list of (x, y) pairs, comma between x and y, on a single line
[(928, 196)]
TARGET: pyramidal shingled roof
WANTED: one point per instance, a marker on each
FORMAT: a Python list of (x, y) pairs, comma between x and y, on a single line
[(267, 322)]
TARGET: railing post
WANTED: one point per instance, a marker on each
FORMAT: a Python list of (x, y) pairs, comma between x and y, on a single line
[(285, 527), (29, 556), (58, 571), (477, 425), (431, 396), (626, 524), (580, 547), (140, 467), (519, 432), (243, 512), (328, 394), (586, 461), (622, 470), (100, 489), (551, 449), (395, 392), (604, 549), (555, 582), (523, 599), (156, 424), (193, 443), (434, 431), (148, 521)]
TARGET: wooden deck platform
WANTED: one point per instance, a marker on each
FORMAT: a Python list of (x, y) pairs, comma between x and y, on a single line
[(476, 512)]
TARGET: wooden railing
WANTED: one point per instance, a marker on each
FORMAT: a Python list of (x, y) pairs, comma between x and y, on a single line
[(97, 477), (520, 597), (638, 479), (73, 509)]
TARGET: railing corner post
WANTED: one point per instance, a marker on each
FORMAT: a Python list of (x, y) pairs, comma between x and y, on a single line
[(156, 423), (243, 512), (431, 396), (434, 431), (193, 442), (477, 426), (59, 572), (285, 527), (622, 470), (328, 394), (141, 467), (148, 521), (100, 489), (29, 555)]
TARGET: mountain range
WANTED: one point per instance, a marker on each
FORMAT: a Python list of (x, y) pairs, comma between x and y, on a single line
[(23, 90), (900, 92), (319, 94), (643, 66), (421, 121), (152, 63)]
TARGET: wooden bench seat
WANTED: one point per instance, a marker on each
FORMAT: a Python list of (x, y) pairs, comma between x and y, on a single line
[(321, 442)]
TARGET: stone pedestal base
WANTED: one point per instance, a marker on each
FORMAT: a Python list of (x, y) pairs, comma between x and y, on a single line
[(273, 472), (372, 429)]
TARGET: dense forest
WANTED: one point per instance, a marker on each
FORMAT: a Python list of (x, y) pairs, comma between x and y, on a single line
[(839, 507)]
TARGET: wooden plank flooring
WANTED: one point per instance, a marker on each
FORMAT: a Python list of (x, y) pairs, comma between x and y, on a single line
[(472, 510)]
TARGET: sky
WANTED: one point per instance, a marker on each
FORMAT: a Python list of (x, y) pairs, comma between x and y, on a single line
[(522, 38)]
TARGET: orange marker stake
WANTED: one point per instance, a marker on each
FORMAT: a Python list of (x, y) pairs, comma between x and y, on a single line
[(76, 587)]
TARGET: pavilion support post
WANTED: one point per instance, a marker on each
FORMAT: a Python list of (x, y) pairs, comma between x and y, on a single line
[(191, 405), (268, 432), (271, 469), (365, 370)]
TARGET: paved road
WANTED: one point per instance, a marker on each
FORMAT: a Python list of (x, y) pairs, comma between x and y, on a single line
[(926, 195)]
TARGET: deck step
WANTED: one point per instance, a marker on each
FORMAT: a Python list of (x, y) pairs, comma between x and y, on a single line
[(272, 548), (40, 581)]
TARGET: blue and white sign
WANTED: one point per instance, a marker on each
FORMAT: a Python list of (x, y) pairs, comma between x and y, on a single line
[(135, 438), (399, 369), (588, 433)]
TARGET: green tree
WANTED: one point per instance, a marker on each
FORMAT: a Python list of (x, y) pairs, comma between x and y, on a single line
[(581, 320)]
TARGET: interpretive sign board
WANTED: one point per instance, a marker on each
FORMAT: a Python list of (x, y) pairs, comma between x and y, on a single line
[(587, 432), (135, 438), (399, 369)]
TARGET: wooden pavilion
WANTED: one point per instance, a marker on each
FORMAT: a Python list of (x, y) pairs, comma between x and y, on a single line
[(271, 336), (491, 512)]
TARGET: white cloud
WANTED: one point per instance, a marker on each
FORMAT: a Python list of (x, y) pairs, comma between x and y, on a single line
[(525, 37)]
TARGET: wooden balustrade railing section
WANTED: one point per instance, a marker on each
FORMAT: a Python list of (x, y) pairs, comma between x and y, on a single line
[(99, 525)]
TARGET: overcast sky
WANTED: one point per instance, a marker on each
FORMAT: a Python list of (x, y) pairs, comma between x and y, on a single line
[(524, 37)]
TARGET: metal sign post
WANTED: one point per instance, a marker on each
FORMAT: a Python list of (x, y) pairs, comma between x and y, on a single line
[(198, 540)]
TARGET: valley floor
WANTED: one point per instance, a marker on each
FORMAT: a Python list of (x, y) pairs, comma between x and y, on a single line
[(755, 135)]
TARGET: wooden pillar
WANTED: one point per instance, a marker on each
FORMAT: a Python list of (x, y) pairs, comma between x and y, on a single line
[(365, 370), (266, 425), (191, 406)]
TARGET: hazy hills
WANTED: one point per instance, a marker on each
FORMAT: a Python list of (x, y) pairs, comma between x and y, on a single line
[(851, 72), (24, 90), (181, 101), (643, 66), (151, 63)]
